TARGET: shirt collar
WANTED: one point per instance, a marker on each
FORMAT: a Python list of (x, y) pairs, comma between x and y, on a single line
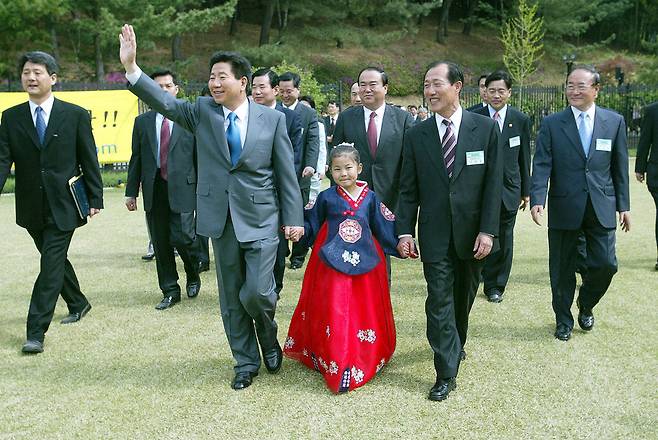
[(47, 105), (293, 105), (241, 112), (590, 112), (502, 112), (379, 112), (456, 118)]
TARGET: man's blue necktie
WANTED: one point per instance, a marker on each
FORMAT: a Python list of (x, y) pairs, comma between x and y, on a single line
[(233, 138), (41, 125), (583, 132)]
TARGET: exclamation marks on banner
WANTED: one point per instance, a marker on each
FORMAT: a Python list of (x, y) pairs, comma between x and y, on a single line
[(114, 124)]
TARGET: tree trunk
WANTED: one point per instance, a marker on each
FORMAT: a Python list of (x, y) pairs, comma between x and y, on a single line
[(266, 24), (470, 16), (54, 40), (233, 28), (284, 6), (442, 31), (100, 66), (176, 52)]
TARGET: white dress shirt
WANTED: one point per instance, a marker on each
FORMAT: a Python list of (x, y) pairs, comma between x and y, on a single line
[(502, 113), (293, 106), (456, 119), (589, 117), (47, 107), (379, 117)]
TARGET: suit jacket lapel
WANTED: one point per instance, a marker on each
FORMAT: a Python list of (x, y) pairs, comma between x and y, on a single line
[(57, 116), (255, 120), (176, 134), (149, 122), (432, 143), (466, 138), (28, 125), (599, 130), (217, 124), (387, 130), (360, 122), (571, 131)]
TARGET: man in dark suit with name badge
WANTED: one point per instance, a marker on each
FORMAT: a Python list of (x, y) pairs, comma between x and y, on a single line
[(49, 141), (646, 163), (452, 171), (515, 145), (582, 151), (163, 162)]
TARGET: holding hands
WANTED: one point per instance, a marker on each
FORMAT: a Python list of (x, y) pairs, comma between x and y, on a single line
[(293, 233), (407, 248)]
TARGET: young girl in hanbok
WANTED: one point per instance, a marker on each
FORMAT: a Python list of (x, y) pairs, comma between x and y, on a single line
[(343, 325)]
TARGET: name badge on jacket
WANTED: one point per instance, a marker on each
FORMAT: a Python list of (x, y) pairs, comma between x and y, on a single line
[(474, 157), (514, 141), (604, 144)]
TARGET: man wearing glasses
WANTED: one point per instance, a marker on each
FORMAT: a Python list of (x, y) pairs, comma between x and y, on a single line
[(582, 150)]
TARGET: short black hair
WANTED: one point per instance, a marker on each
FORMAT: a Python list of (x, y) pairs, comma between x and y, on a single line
[(454, 71), (588, 68), (484, 75), (38, 57), (410, 106), (240, 66), (344, 149), (499, 75), (308, 99), (374, 69), (291, 76), (205, 91), (334, 102), (164, 72), (271, 75)]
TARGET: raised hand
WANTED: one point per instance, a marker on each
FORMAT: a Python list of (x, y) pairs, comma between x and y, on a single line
[(128, 49)]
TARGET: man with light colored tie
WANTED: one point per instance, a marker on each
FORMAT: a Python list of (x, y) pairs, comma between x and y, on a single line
[(514, 138), (246, 189), (582, 151), (163, 164)]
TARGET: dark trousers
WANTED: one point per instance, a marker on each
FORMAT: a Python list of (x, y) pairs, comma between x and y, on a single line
[(56, 275), (171, 230), (299, 249), (654, 194), (498, 265), (280, 263), (451, 287), (247, 298), (203, 249), (563, 255)]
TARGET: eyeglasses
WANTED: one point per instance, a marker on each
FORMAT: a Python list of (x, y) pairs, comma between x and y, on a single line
[(580, 87)]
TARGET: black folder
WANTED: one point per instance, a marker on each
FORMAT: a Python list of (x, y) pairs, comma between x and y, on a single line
[(79, 192)]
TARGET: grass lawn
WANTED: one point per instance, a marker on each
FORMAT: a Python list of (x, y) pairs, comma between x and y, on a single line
[(127, 371)]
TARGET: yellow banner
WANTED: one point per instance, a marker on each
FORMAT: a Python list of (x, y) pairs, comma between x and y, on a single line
[(112, 113)]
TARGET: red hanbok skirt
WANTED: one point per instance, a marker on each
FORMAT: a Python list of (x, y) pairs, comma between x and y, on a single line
[(343, 325)]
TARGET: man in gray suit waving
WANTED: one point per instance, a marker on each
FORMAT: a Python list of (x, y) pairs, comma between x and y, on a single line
[(582, 152), (246, 177)]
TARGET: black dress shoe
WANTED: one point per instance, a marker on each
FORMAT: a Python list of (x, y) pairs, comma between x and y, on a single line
[(193, 288), (462, 355), (294, 265), (442, 388), (149, 256), (167, 301), (243, 379), (494, 296), (273, 359), (586, 319), (562, 332), (204, 266), (32, 347), (75, 317)]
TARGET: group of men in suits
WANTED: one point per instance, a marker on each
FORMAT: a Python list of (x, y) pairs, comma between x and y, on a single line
[(234, 170)]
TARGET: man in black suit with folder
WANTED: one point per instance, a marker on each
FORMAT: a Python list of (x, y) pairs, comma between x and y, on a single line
[(49, 141), (452, 172), (163, 162)]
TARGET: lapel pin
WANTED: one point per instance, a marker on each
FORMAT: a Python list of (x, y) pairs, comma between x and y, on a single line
[(510, 125)]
